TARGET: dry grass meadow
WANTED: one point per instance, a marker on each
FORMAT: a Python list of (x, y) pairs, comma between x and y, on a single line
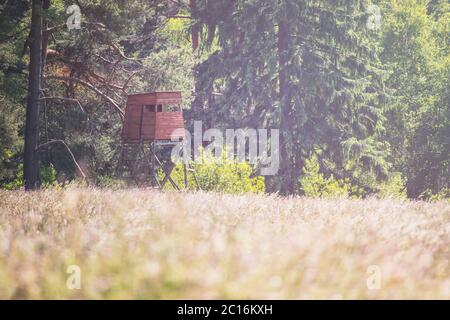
[(144, 244)]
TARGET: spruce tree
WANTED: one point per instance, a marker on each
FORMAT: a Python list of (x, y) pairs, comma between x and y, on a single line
[(306, 67)]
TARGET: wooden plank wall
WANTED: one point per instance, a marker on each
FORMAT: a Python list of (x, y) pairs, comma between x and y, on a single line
[(142, 125), (131, 126), (169, 124)]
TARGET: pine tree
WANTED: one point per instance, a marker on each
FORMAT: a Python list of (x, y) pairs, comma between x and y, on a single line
[(31, 162), (306, 67)]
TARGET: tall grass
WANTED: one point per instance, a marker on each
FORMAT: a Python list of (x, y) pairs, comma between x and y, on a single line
[(146, 244)]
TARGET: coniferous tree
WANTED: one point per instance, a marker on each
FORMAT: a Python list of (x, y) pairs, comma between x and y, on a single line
[(31, 163), (306, 67)]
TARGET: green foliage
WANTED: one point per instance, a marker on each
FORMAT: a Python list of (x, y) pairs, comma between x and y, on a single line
[(220, 175), (374, 106), (47, 175), (314, 184), (17, 182), (47, 178), (394, 187), (416, 48), (328, 94), (169, 69), (109, 182), (11, 119), (443, 194), (13, 31)]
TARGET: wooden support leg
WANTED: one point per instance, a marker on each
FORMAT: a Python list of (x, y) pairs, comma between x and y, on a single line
[(135, 169), (185, 160), (153, 164), (119, 168), (195, 177), (167, 175), (166, 172)]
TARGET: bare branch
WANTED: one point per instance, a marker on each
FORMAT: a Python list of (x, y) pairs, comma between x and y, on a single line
[(65, 99), (179, 17), (70, 152), (91, 87), (82, 67), (104, 59), (122, 54), (61, 26), (54, 29), (125, 85)]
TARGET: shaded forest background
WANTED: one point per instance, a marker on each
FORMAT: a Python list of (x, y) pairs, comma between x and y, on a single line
[(361, 111)]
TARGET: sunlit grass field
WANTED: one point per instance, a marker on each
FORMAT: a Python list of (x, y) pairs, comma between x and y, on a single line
[(144, 244)]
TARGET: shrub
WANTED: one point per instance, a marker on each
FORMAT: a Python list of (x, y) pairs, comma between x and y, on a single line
[(219, 175), (314, 184), (47, 177), (444, 194), (103, 181), (394, 187)]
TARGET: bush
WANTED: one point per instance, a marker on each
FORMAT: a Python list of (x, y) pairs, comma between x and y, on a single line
[(314, 184), (107, 182), (47, 177), (219, 175), (394, 187), (444, 194)]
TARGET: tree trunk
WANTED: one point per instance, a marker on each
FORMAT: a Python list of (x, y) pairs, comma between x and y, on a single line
[(285, 184), (195, 29), (31, 163), (45, 35)]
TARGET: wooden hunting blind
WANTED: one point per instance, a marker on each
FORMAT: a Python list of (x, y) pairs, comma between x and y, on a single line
[(152, 120), (156, 116)]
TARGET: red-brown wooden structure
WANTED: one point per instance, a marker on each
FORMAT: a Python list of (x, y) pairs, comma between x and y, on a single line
[(156, 116), (151, 120)]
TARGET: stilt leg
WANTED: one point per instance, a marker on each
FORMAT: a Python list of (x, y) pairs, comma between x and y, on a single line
[(167, 172), (195, 177), (185, 160)]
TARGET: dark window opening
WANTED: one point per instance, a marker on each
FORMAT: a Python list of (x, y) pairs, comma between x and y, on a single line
[(150, 108)]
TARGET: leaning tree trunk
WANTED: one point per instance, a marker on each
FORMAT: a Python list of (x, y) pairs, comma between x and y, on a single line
[(32, 115)]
